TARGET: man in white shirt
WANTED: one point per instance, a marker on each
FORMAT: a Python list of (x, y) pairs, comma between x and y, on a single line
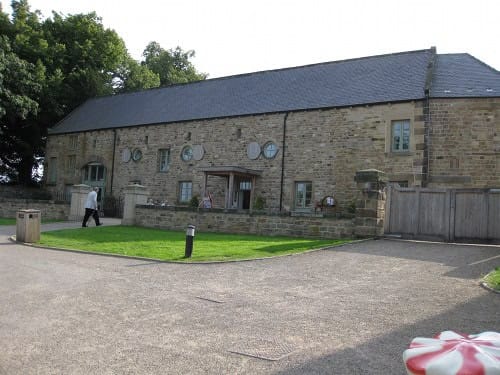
[(91, 208)]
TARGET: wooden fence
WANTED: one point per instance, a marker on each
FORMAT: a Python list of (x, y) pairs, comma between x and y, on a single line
[(443, 214)]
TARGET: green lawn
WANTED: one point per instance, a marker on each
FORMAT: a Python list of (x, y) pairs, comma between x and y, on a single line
[(493, 279), (167, 245), (5, 221), (10, 221)]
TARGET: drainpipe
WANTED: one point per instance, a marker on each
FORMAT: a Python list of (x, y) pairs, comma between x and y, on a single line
[(427, 117), (283, 145), (113, 162)]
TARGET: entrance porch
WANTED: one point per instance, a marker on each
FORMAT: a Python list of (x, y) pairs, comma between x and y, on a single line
[(239, 187)]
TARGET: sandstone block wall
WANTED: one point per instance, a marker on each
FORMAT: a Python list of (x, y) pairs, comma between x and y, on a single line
[(48, 209), (325, 147), (172, 218), (464, 147)]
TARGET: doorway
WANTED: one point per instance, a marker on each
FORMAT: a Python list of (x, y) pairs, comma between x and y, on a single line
[(94, 175), (243, 194)]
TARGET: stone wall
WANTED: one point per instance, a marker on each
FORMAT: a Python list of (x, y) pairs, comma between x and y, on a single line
[(23, 192), (464, 147), (48, 209), (223, 221), (325, 147)]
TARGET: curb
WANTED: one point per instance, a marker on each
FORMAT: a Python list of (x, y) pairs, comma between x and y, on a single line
[(487, 287)]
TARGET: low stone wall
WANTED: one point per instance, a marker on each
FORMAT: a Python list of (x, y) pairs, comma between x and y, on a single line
[(48, 209), (228, 221)]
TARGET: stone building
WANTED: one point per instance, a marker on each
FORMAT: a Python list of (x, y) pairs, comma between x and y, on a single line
[(286, 139)]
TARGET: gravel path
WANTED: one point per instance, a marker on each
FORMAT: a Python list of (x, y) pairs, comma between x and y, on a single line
[(346, 310)]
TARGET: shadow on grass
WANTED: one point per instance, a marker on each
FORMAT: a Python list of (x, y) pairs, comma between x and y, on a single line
[(168, 245)]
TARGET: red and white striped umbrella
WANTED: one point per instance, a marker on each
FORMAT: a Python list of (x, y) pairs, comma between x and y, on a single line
[(452, 353)]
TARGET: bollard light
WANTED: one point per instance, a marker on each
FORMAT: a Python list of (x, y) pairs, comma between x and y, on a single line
[(189, 241)]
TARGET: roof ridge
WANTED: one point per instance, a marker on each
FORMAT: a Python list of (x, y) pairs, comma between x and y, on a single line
[(263, 72)]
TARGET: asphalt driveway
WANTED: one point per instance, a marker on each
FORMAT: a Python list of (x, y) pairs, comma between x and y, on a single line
[(347, 310)]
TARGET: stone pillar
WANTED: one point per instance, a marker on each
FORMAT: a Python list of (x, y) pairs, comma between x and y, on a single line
[(134, 195), (78, 197), (370, 205)]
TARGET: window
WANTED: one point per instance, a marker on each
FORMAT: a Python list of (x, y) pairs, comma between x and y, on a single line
[(400, 136), (303, 194), (245, 185), (187, 153), (71, 165), (94, 172), (52, 177), (270, 150), (73, 142), (185, 191), (163, 159), (136, 155)]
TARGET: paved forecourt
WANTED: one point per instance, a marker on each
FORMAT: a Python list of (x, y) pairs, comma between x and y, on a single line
[(346, 310)]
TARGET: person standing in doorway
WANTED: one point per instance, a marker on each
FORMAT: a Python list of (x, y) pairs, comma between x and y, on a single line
[(91, 208)]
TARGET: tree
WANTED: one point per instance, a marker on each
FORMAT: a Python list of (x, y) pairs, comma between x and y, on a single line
[(20, 86), (172, 66), (133, 76), (49, 67), (68, 60)]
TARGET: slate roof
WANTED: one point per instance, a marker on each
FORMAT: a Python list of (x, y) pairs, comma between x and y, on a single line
[(462, 75), (368, 80)]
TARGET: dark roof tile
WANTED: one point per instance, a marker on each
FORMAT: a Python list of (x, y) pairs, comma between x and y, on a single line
[(462, 75), (369, 80)]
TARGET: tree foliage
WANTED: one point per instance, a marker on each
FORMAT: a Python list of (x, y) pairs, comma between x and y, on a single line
[(50, 66), (172, 66)]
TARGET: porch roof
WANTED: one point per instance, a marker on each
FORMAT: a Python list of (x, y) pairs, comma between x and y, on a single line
[(230, 169)]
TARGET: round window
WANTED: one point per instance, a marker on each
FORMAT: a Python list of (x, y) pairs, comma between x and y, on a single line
[(270, 150), (137, 155), (187, 153)]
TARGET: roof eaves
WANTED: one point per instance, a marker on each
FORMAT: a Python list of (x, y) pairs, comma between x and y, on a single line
[(244, 115)]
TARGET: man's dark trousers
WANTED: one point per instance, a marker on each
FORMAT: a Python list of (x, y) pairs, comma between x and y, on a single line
[(90, 212)]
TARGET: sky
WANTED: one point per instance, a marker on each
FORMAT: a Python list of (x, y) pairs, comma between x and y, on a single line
[(235, 36)]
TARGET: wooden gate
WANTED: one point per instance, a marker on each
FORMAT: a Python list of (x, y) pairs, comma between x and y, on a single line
[(443, 214)]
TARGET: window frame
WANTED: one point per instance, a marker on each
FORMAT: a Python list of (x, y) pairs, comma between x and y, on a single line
[(304, 202), (185, 191), (404, 127), (94, 172), (73, 142), (71, 165), (162, 152), (187, 153), (270, 150)]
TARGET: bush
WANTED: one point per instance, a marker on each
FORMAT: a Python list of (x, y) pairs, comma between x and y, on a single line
[(260, 203), (194, 202)]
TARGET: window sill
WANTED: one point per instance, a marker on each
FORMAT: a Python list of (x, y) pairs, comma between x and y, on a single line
[(398, 154)]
